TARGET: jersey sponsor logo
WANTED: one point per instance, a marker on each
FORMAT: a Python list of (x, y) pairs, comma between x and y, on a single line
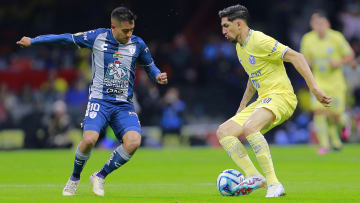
[(114, 91), (255, 82), (117, 71), (266, 100), (117, 78), (255, 74), (117, 55), (252, 60)]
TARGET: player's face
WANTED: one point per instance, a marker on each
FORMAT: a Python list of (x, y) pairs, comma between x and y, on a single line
[(122, 30), (229, 29), (319, 24)]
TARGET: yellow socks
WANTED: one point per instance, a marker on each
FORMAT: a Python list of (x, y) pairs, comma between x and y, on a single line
[(238, 153), (334, 134), (321, 127), (262, 152)]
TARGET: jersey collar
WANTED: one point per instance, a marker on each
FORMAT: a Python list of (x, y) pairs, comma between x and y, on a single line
[(247, 38)]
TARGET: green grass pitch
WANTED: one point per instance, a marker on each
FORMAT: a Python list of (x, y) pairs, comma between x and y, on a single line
[(178, 175)]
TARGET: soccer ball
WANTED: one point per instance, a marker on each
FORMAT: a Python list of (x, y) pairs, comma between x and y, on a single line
[(227, 180)]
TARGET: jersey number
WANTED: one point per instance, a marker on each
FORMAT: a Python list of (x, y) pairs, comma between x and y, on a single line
[(92, 107)]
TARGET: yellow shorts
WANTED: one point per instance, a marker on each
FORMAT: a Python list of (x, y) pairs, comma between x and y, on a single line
[(282, 106), (338, 103)]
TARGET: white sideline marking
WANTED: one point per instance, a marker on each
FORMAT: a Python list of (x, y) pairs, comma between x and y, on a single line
[(107, 185)]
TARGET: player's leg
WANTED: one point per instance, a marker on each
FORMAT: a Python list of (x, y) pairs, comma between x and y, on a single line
[(321, 128), (122, 154), (260, 119), (334, 121), (95, 120), (334, 132), (126, 126), (227, 134)]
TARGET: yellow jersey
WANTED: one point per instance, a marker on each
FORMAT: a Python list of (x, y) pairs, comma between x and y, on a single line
[(262, 58), (321, 51)]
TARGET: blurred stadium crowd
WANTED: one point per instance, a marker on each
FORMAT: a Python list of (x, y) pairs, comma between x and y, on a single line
[(44, 89)]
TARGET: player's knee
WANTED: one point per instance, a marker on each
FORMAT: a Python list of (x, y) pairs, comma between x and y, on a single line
[(89, 141), (221, 132), (249, 129), (132, 142)]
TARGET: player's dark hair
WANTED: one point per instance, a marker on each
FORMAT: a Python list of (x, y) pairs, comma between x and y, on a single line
[(235, 12), (321, 13), (123, 14)]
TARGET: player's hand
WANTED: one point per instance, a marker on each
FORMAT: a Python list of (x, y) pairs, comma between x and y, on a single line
[(162, 78), (24, 42), (321, 97), (334, 64)]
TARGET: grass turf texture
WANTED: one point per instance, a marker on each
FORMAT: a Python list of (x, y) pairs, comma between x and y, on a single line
[(178, 175)]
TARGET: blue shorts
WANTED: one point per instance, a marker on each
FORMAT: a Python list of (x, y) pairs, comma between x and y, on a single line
[(121, 116)]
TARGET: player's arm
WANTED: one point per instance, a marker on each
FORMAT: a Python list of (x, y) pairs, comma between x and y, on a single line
[(154, 73), (300, 64), (46, 39), (249, 93), (346, 60), (151, 69), (344, 48)]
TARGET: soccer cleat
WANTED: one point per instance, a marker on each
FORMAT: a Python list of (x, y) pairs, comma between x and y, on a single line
[(275, 190), (323, 151), (70, 188), (259, 179), (97, 184), (249, 184)]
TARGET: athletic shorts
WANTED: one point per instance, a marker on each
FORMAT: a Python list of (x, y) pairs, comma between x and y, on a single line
[(121, 116), (281, 105)]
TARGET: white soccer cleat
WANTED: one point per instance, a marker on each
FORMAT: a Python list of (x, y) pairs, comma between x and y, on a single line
[(275, 190), (70, 188), (257, 180), (97, 184), (250, 184)]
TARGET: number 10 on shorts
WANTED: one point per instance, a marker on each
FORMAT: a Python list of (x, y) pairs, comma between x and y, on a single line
[(92, 107)]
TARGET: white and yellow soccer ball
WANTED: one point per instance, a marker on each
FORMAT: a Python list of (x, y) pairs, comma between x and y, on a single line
[(227, 180)]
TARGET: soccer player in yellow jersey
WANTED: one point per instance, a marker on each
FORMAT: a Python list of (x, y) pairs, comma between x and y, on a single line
[(262, 58), (326, 51)]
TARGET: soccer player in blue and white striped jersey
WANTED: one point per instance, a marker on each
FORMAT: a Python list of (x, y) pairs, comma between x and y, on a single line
[(115, 51)]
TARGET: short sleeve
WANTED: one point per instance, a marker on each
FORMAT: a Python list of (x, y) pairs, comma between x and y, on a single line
[(85, 39), (273, 49), (343, 46)]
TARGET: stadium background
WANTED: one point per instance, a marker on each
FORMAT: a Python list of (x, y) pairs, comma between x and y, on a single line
[(185, 41)]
